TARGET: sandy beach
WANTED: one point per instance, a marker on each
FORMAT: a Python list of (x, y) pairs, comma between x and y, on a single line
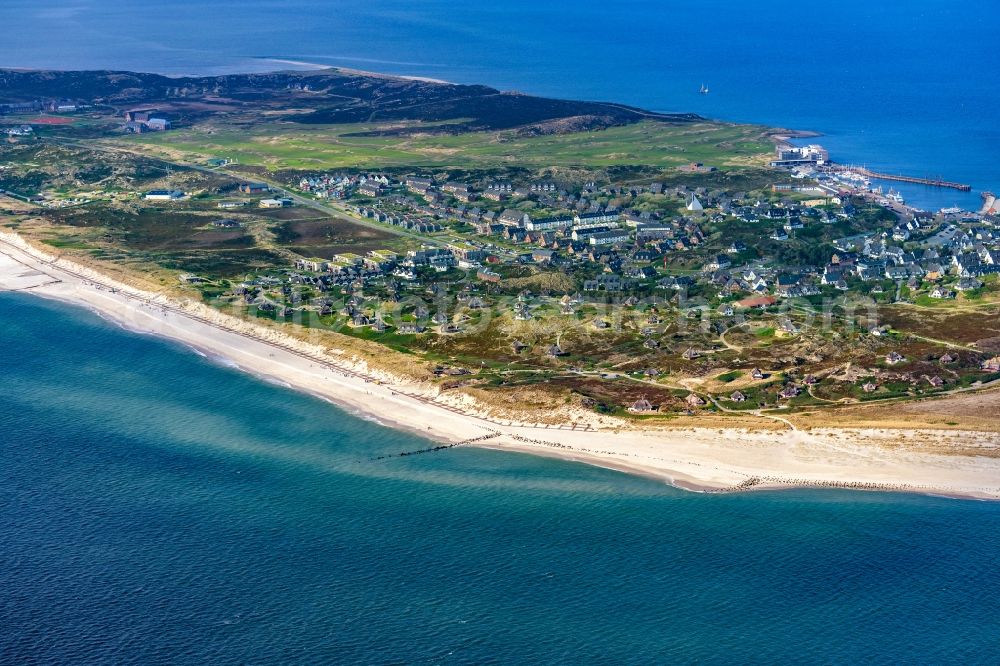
[(703, 459), (352, 70)]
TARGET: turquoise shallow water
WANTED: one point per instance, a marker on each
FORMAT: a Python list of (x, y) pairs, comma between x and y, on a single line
[(157, 507)]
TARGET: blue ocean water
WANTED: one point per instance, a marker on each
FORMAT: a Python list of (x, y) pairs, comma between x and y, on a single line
[(899, 86), (159, 507)]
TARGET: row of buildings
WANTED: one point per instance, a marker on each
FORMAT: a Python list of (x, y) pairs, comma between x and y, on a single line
[(139, 121)]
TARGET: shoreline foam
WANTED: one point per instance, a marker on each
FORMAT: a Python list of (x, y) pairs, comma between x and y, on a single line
[(697, 459)]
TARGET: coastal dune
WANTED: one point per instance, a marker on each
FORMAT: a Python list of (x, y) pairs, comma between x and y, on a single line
[(704, 459)]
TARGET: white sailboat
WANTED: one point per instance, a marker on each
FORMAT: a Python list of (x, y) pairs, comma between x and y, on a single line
[(704, 89)]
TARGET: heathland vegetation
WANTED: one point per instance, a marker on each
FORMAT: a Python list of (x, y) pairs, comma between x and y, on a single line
[(589, 256)]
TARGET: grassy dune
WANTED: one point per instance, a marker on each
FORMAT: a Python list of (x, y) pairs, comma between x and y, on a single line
[(332, 146)]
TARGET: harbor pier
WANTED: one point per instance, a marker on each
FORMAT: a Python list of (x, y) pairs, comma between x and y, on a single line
[(932, 182)]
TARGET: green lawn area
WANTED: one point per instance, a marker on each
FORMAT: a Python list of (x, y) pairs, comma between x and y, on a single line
[(727, 377), (328, 146)]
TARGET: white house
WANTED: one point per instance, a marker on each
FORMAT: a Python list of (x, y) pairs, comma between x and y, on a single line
[(163, 195)]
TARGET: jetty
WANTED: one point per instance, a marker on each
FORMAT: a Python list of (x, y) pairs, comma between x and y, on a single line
[(932, 182)]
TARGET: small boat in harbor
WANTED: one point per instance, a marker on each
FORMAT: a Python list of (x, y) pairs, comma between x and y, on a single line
[(703, 90)]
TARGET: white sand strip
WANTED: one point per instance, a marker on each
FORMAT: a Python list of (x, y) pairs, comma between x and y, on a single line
[(695, 458)]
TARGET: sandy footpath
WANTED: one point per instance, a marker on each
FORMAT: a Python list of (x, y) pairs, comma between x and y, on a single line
[(693, 458)]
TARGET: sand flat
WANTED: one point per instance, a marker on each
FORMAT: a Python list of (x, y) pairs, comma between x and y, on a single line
[(16, 276)]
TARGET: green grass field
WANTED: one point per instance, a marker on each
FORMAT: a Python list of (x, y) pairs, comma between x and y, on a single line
[(328, 146)]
